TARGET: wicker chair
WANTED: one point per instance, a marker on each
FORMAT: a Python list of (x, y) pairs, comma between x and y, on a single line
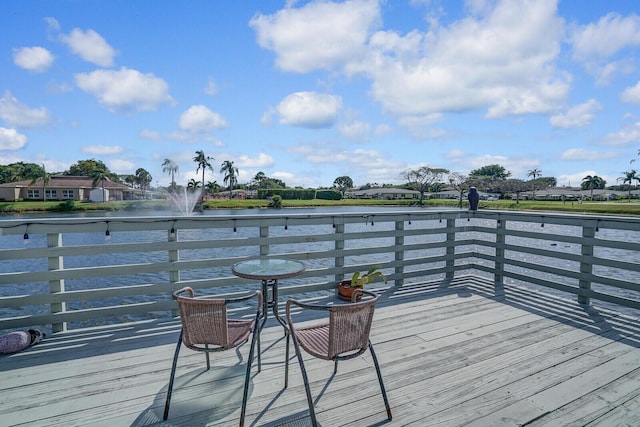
[(206, 328), (344, 336)]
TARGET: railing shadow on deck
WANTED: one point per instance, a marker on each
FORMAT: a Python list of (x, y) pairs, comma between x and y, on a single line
[(78, 344)]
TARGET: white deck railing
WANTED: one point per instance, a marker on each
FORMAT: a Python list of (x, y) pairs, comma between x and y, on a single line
[(70, 274)]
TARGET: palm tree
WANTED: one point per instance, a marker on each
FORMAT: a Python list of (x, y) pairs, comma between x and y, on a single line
[(629, 177), (211, 187), (534, 173), (46, 177), (230, 175), (592, 182), (203, 162), (193, 185), (170, 167), (99, 175)]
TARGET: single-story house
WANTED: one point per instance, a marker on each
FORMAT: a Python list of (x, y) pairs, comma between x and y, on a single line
[(62, 188), (383, 193)]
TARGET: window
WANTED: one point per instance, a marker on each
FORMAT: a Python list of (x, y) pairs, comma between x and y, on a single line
[(33, 194), (51, 194), (67, 194)]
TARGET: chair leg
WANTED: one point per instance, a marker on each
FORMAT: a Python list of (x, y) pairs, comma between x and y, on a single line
[(286, 363), (247, 376), (384, 392), (305, 379), (172, 377)]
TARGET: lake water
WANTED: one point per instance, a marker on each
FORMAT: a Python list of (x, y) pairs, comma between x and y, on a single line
[(96, 238)]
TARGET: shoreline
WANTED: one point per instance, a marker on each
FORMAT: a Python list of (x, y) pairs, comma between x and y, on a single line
[(622, 208)]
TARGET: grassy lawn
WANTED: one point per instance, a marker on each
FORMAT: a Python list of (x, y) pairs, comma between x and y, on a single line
[(603, 208)]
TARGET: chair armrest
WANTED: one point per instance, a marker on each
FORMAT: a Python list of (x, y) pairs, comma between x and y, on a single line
[(178, 293)]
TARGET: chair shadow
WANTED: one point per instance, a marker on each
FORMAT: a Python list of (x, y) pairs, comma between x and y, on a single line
[(200, 397)]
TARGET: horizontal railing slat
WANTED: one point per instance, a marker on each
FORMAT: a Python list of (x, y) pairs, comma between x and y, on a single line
[(410, 245)]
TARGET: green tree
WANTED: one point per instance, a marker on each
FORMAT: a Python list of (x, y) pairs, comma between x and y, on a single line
[(533, 174), (193, 185), (628, 178), (230, 175), (203, 162), (46, 177), (99, 175), (85, 168), (256, 181), (343, 183), (423, 178), (460, 183), (516, 186), (212, 187), (20, 171), (143, 178), (590, 182), (496, 172), (170, 167)]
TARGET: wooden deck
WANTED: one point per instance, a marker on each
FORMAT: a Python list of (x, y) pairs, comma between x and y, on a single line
[(462, 354)]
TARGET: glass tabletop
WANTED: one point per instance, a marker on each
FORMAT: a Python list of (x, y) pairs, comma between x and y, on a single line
[(268, 268)]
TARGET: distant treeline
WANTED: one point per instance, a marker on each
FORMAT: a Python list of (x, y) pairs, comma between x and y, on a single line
[(299, 194)]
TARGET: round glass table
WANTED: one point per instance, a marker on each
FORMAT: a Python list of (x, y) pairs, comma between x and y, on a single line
[(269, 271)]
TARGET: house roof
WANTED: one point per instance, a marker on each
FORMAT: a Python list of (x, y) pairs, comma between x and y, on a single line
[(386, 190)]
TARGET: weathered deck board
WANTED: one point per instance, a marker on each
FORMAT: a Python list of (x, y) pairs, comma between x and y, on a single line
[(451, 355)]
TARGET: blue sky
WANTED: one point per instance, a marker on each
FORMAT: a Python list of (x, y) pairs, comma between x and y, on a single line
[(309, 91)]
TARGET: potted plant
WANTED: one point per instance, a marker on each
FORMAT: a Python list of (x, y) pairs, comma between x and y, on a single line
[(357, 281)]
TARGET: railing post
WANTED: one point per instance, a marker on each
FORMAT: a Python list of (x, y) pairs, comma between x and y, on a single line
[(499, 257), (399, 254), (264, 233), (339, 247), (586, 265), (450, 248), (54, 240)]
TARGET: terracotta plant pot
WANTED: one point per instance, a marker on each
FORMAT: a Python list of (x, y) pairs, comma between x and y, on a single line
[(345, 290)]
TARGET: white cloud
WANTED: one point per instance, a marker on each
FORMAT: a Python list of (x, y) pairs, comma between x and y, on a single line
[(309, 109), (52, 24), (597, 43), (199, 118), (90, 46), (578, 116), (356, 130), (19, 115), (262, 160), (420, 126), (382, 129), (320, 153), (102, 150), (582, 154), (37, 59), (122, 166), (601, 40), (631, 94), (629, 135), (11, 140), (455, 155), (212, 88), (502, 62), (180, 136), (125, 89), (574, 179), (319, 35)]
